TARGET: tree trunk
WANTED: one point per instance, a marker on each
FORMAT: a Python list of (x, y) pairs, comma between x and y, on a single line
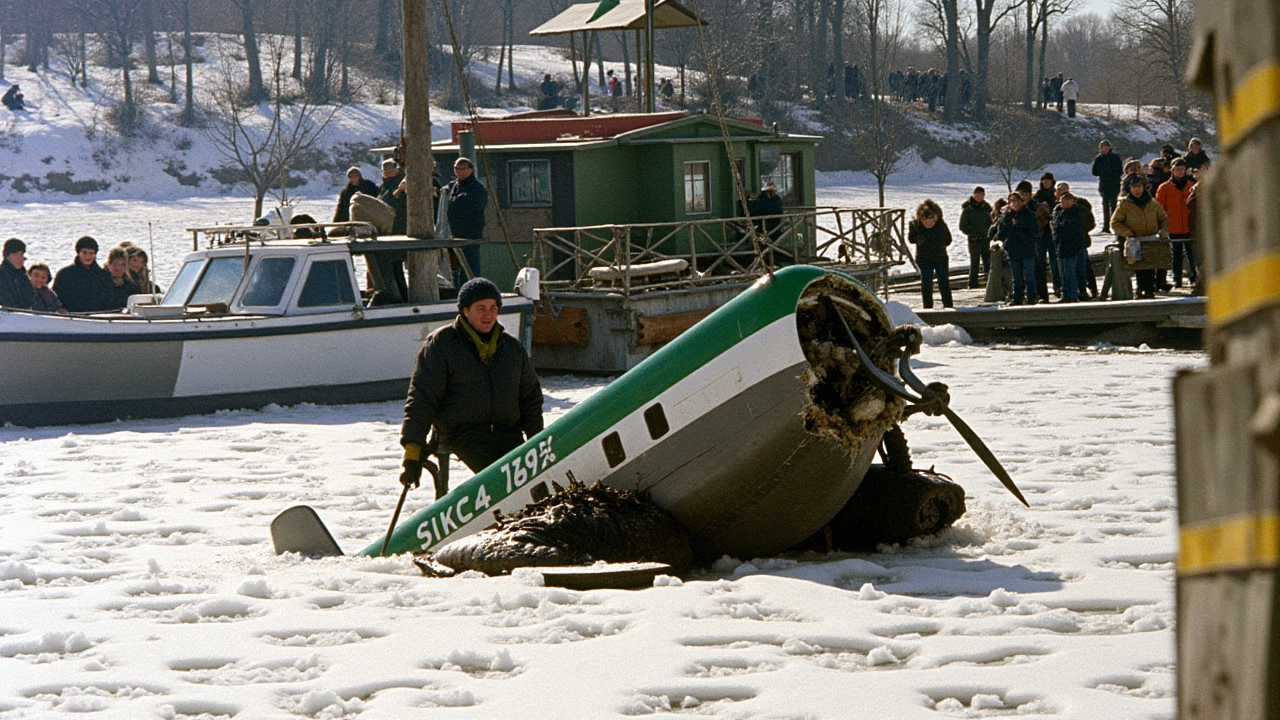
[(422, 265), (1044, 36), (149, 42), (1030, 36), (502, 57), (595, 44), (511, 47), (382, 31), (626, 65), (573, 62), (255, 92), (837, 41), (345, 89), (819, 48), (2, 55), (189, 108), (982, 33), (951, 111), (296, 74), (84, 61)]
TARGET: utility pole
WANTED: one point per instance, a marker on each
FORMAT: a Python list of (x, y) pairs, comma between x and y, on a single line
[(422, 265)]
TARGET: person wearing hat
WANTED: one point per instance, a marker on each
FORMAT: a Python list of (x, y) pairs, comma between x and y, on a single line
[(356, 183), (1107, 167), (474, 385), (392, 193), (82, 286), (1196, 156), (15, 287), (1139, 216), (468, 199)]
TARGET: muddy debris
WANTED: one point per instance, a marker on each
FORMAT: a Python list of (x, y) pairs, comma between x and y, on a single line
[(577, 525), (845, 403)]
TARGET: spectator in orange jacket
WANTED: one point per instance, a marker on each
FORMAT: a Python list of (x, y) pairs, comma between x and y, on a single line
[(1172, 196)]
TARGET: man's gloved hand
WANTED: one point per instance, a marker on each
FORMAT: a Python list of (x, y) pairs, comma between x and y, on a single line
[(413, 465), (412, 473)]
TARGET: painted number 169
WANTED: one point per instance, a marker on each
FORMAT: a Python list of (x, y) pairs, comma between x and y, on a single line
[(519, 471)]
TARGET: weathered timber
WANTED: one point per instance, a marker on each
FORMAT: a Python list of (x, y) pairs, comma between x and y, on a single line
[(653, 329)]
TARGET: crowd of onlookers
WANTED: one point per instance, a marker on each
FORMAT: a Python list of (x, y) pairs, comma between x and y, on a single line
[(83, 286), (1042, 233)]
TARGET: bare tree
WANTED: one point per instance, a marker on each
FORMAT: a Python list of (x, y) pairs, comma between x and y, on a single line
[(1163, 28), (149, 42), (1012, 146), (263, 140), (988, 14), (117, 21), (254, 91), (71, 48), (188, 107), (879, 129)]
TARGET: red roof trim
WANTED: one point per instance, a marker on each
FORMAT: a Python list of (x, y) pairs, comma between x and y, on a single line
[(548, 126)]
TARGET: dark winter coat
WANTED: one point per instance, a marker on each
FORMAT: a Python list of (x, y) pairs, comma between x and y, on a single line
[(931, 243), (1089, 221), (1068, 231), (767, 204), (365, 187), (452, 389), (84, 289), (47, 300), (1018, 229), (467, 202), (120, 293), (975, 220), (399, 203), (1045, 196), (1108, 168), (15, 287)]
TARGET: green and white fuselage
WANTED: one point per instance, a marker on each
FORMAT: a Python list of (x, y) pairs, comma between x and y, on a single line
[(712, 427)]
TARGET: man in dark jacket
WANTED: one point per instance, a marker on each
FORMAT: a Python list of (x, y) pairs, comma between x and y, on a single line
[(391, 193), (1196, 156), (1069, 235), (1018, 229), (1086, 282), (356, 183), (82, 286), (474, 384), (468, 199), (975, 223), (1108, 168), (15, 287)]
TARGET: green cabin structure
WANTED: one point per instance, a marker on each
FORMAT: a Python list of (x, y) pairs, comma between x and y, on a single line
[(557, 169)]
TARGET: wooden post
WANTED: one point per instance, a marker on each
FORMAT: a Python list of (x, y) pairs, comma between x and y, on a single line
[(586, 73), (649, 104), (1227, 417), (423, 266)]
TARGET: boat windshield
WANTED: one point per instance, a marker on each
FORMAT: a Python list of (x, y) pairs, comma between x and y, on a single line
[(181, 287), (268, 282), (219, 282)]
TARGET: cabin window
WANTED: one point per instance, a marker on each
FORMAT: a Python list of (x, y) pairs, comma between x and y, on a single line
[(328, 283), (781, 169), (219, 282), (529, 182), (697, 187), (656, 419), (268, 281), (183, 283), (613, 451)]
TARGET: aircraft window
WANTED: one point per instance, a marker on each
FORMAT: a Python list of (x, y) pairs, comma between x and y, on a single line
[(613, 451), (219, 283), (328, 283), (267, 283), (657, 421)]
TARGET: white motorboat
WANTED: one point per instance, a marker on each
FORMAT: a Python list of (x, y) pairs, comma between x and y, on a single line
[(252, 319)]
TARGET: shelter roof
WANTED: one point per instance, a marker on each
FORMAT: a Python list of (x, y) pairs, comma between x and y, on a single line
[(627, 15)]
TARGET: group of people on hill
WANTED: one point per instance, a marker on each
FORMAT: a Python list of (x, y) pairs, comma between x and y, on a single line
[(84, 286), (930, 86), (14, 99), (1055, 91), (1044, 232)]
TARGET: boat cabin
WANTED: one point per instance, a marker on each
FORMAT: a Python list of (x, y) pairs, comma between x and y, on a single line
[(247, 270), (556, 169)]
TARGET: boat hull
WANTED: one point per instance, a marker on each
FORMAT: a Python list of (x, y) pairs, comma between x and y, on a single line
[(83, 370)]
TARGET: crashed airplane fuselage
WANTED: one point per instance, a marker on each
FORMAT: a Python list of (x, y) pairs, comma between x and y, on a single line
[(753, 428)]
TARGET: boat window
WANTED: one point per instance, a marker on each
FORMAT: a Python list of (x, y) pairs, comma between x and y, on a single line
[(613, 451), (656, 419), (530, 182), (697, 187), (328, 283), (219, 282), (182, 284), (268, 281), (782, 170)]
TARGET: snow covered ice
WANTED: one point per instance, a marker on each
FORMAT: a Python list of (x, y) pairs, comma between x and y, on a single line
[(137, 578)]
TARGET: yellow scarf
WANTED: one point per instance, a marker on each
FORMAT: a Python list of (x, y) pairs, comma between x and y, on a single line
[(486, 349)]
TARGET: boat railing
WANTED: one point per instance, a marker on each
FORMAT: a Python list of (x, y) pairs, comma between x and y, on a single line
[(219, 235), (633, 257)]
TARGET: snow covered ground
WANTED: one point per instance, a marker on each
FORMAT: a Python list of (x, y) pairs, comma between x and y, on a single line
[(137, 577)]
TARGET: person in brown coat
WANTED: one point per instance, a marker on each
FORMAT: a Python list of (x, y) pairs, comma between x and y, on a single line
[(1138, 215)]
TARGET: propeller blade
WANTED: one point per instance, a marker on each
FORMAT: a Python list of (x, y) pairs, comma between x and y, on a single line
[(983, 452)]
